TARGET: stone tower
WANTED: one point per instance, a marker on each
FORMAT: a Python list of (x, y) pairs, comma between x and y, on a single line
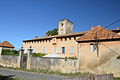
[(65, 27)]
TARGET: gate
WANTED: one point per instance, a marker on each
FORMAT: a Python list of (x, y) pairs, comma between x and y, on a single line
[(24, 62), (23, 59)]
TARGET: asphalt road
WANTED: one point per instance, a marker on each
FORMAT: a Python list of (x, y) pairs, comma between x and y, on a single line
[(29, 75)]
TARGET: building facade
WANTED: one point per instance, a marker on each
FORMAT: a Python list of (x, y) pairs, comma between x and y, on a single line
[(64, 44), (99, 51)]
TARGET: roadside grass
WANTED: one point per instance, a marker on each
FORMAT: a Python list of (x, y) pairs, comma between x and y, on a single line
[(117, 78), (44, 71)]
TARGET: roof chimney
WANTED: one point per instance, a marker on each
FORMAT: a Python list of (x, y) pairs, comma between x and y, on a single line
[(36, 36)]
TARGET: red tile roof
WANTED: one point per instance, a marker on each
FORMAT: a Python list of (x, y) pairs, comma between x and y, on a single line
[(6, 44), (58, 36), (98, 33)]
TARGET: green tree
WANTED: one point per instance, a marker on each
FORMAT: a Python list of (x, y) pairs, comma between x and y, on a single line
[(52, 32)]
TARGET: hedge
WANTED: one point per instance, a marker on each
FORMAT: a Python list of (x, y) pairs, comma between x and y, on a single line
[(10, 52)]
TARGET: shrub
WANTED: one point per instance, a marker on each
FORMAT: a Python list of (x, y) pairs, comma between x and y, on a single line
[(38, 54), (10, 52)]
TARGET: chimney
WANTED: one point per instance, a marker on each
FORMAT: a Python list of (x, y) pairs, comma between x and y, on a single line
[(36, 36), (92, 27)]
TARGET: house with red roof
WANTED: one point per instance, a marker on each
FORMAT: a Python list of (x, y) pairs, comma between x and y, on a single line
[(6, 45), (99, 51)]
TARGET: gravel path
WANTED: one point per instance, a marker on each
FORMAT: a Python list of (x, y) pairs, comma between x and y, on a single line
[(29, 75)]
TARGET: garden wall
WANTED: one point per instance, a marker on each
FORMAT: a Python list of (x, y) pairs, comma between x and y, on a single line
[(54, 64), (9, 61), (91, 77)]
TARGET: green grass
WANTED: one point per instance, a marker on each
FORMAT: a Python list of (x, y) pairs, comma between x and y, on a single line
[(44, 71), (118, 78)]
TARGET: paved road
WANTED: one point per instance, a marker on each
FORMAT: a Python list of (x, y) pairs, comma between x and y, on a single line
[(29, 75)]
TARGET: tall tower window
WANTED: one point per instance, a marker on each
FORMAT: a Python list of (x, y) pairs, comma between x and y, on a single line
[(61, 24)]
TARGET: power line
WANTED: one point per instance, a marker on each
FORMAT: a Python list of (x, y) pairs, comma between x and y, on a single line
[(96, 38), (110, 25), (110, 49)]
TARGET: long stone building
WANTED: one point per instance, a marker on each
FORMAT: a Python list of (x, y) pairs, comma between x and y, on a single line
[(64, 44)]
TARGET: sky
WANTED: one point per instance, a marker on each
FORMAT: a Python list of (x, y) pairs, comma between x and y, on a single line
[(24, 19)]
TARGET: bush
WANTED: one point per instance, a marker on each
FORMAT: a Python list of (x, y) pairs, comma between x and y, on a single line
[(38, 54), (10, 52)]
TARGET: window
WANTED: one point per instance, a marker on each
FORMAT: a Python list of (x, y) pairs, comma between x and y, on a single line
[(54, 50), (44, 50), (61, 24), (62, 30), (54, 40), (72, 50), (92, 47), (63, 50)]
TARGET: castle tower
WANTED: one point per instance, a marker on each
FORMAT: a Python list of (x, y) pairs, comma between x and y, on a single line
[(65, 27)]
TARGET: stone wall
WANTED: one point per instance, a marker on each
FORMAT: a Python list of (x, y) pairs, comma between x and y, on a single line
[(91, 77), (54, 64), (9, 61)]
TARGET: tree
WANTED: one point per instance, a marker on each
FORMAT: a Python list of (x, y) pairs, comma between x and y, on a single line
[(52, 32)]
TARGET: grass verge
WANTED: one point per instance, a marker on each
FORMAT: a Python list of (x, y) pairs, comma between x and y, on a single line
[(118, 78), (44, 71)]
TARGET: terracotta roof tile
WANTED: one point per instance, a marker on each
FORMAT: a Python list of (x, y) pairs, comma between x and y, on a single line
[(6, 44), (98, 33), (57, 36)]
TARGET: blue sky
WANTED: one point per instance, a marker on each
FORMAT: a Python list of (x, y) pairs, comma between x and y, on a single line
[(25, 19)]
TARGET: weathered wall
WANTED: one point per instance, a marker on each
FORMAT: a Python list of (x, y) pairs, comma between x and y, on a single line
[(54, 64), (107, 61), (91, 77), (9, 61)]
